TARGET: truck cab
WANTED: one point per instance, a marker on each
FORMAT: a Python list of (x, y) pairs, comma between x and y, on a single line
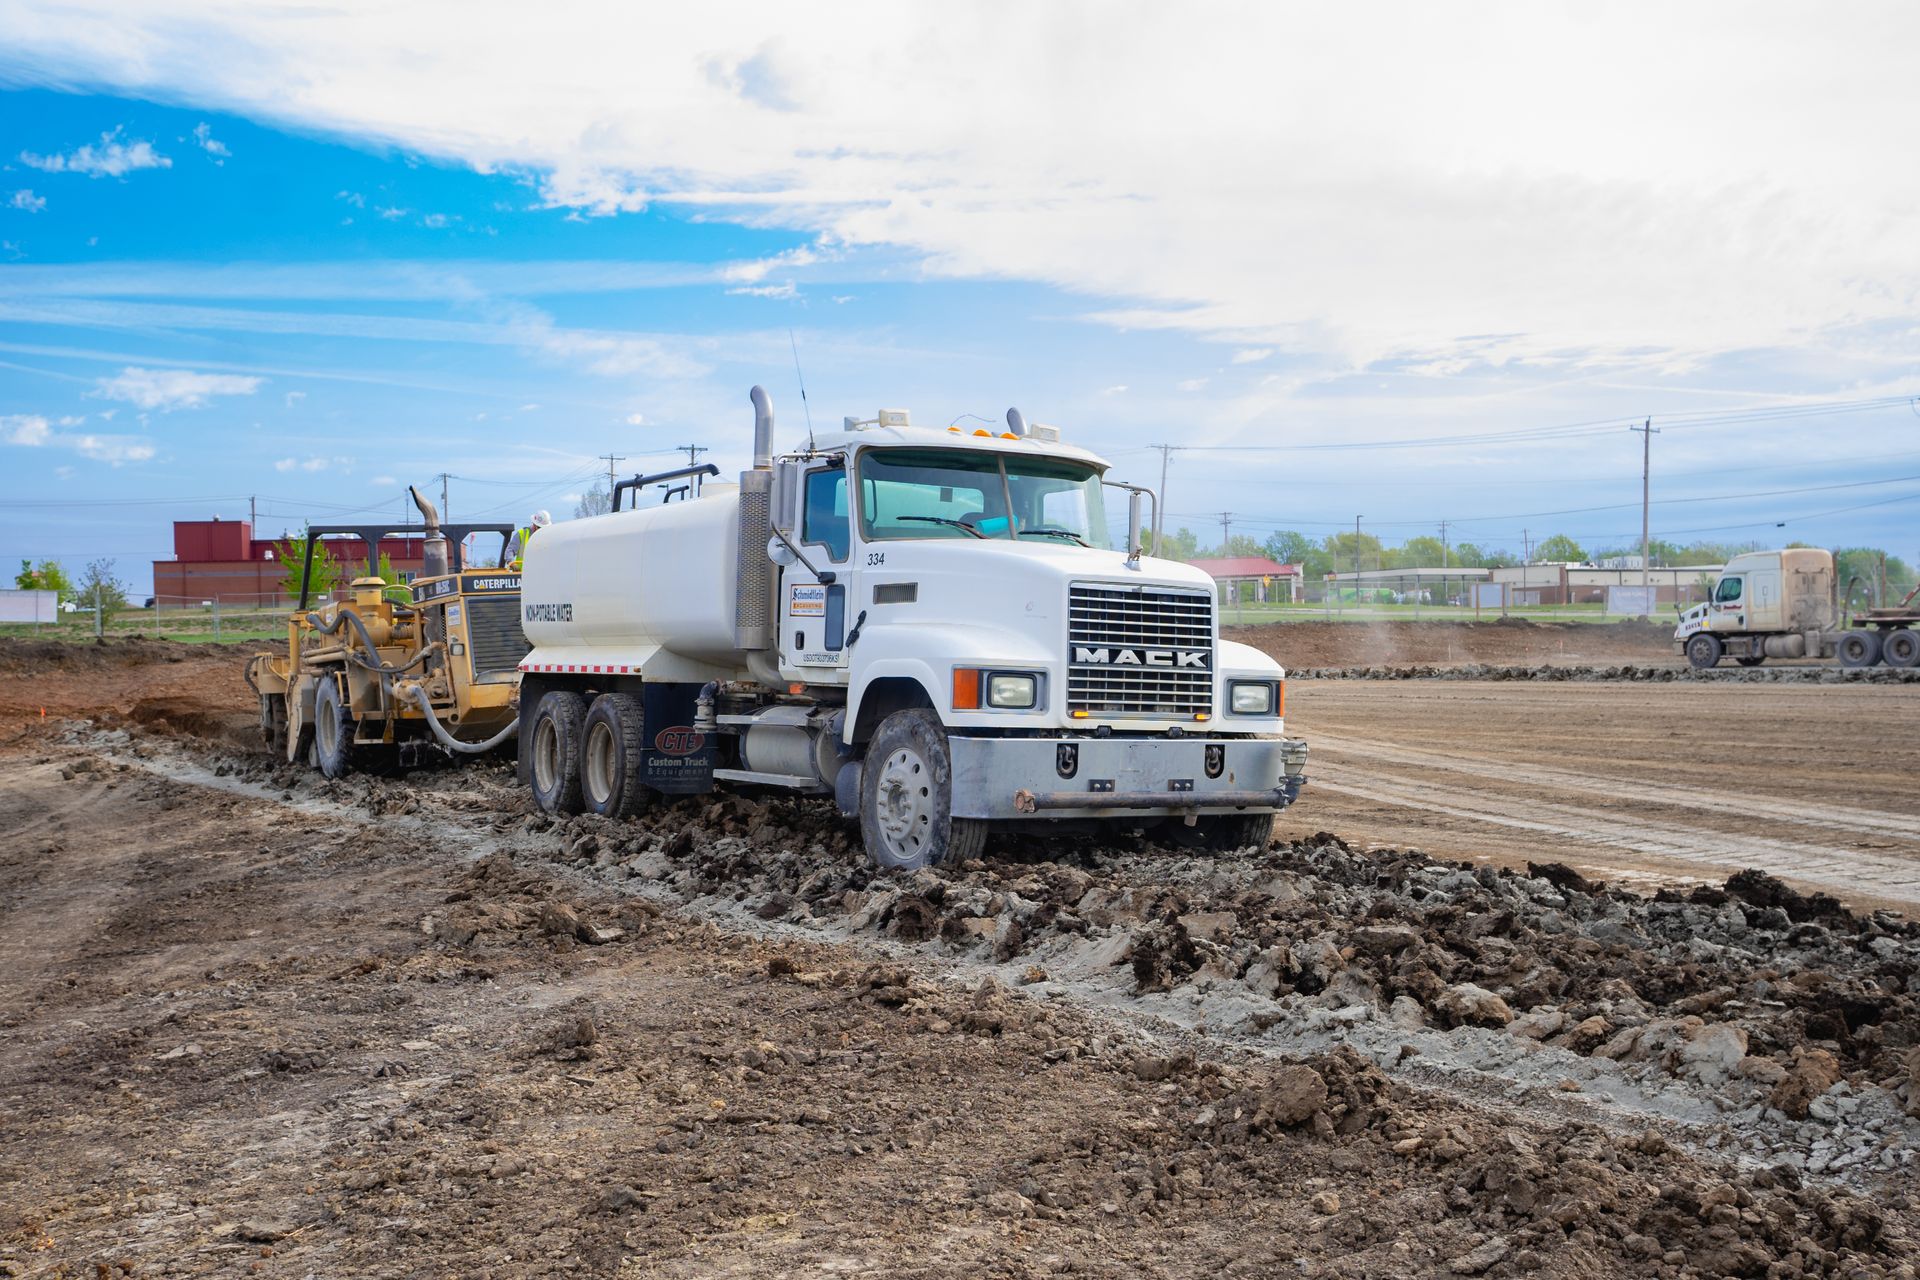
[(932, 625), (1763, 604)]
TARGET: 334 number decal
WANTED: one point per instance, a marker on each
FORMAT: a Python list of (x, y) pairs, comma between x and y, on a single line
[(876, 557)]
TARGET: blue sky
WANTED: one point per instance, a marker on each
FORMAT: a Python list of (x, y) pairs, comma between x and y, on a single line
[(310, 256)]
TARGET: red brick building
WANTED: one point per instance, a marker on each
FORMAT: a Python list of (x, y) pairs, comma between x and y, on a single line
[(222, 560)]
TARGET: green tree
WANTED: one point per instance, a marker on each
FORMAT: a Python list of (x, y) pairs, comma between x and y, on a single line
[(1181, 544), (98, 587), (1559, 549), (1238, 544), (1424, 552), (1289, 547), (45, 576), (1340, 551), (293, 557)]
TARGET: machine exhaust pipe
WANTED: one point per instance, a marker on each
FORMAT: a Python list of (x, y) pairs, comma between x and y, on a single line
[(762, 429), (433, 549)]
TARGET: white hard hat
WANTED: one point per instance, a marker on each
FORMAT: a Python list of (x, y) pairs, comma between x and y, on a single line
[(541, 519)]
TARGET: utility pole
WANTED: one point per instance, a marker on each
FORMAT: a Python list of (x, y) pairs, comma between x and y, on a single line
[(251, 517), (693, 452), (1160, 499), (1226, 533), (446, 508), (1647, 433), (611, 459)]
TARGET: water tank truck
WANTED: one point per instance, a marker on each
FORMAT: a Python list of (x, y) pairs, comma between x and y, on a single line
[(930, 626)]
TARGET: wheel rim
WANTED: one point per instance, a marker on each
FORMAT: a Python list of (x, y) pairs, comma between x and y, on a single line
[(546, 755), (326, 728), (599, 772), (903, 803)]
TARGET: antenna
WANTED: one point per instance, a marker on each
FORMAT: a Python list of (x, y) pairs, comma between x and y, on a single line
[(802, 378)]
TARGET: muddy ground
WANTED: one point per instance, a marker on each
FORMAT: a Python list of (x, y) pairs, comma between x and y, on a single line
[(254, 1023)]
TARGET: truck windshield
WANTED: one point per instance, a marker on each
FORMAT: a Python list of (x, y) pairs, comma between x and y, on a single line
[(961, 493)]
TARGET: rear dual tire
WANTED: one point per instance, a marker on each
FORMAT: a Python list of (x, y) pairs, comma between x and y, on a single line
[(585, 759), (1900, 648), (1858, 648)]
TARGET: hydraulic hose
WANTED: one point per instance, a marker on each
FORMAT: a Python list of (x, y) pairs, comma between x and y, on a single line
[(450, 742), (372, 662)]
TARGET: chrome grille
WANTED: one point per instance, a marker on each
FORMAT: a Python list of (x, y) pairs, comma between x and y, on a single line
[(495, 641), (1145, 624)]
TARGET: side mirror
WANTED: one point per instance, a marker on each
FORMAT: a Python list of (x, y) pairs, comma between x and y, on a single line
[(780, 553), (1134, 544)]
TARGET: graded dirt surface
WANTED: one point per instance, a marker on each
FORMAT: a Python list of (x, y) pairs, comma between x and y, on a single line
[(1642, 783), (1515, 640), (253, 1023)]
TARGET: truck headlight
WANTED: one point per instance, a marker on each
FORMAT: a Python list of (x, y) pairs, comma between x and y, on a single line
[(1012, 690), (1250, 697)]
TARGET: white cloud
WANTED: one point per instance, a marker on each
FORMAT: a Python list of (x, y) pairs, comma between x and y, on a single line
[(311, 464), (295, 397), (1353, 183), (114, 449), (25, 199), (787, 290), (203, 134), (383, 482), (636, 420), (110, 158), (33, 431), (169, 389), (1114, 391), (286, 464), (1191, 384), (353, 198), (391, 212), (435, 220), (1251, 355), (23, 428), (528, 408)]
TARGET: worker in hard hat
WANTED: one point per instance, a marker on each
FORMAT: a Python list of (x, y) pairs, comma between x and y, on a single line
[(524, 535)]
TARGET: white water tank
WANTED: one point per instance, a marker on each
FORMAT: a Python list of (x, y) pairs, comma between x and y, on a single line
[(658, 575)]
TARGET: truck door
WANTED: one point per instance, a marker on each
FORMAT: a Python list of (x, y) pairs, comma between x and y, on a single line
[(1730, 604), (813, 614)]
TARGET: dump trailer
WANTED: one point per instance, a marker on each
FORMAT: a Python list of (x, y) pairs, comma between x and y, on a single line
[(1788, 604), (397, 673), (929, 626)]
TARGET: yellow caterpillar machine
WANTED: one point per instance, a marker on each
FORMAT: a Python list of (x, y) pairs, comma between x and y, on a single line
[(376, 681)]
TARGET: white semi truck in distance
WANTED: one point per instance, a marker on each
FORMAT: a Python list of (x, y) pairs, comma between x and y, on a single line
[(928, 625), (1788, 604)]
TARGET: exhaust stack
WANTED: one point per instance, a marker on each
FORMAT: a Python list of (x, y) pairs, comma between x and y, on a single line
[(433, 550), (762, 429), (753, 578)]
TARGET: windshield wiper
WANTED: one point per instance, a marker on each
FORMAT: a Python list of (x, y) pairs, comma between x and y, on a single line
[(958, 524), (1058, 533)]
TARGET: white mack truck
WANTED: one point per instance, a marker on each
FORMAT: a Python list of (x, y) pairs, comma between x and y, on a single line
[(929, 626)]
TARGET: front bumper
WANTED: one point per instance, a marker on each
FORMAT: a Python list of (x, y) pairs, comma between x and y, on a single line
[(1141, 777)]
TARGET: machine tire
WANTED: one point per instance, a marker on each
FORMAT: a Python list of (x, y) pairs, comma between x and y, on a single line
[(1753, 661), (1704, 651), (1858, 648), (333, 729), (273, 722), (906, 797), (1223, 832), (1900, 648), (553, 756), (612, 746)]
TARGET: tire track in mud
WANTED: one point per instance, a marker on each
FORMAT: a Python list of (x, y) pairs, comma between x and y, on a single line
[(1834, 868)]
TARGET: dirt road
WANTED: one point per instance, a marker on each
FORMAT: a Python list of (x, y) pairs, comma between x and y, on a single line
[(255, 1023), (1645, 784)]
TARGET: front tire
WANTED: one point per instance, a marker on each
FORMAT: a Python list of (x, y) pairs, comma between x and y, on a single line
[(1704, 651), (1900, 648), (613, 744), (559, 723), (906, 797), (333, 730), (1858, 648)]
